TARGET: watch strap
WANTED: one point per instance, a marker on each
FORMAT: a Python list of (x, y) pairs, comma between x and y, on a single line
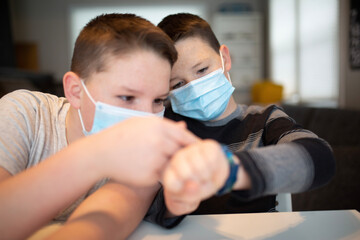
[(230, 181)]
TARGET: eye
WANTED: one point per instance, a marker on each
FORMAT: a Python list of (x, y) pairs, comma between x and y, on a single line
[(160, 101), (202, 70), (126, 98), (178, 84)]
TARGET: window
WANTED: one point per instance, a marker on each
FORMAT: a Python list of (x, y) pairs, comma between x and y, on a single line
[(304, 49), (80, 15)]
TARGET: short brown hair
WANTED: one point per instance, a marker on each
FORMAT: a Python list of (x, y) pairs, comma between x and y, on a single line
[(183, 25), (113, 34)]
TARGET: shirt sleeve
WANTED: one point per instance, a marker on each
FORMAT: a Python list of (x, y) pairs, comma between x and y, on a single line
[(293, 159), (15, 131), (157, 211)]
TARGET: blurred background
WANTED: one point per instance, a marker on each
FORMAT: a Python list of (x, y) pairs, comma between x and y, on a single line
[(301, 54), (306, 51)]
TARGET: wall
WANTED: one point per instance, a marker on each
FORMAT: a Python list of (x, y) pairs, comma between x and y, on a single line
[(43, 23), (47, 24), (349, 79)]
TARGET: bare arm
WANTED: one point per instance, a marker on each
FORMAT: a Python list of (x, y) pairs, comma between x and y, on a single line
[(112, 212), (33, 197), (4, 174), (43, 191)]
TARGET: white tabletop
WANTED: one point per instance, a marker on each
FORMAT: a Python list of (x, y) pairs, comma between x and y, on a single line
[(314, 225), (317, 225)]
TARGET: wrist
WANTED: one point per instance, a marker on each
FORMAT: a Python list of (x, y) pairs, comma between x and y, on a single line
[(243, 180)]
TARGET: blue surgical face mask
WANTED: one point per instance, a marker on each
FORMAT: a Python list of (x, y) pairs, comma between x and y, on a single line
[(205, 98), (107, 115)]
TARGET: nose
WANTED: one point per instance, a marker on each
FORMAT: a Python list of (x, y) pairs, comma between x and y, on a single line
[(146, 106)]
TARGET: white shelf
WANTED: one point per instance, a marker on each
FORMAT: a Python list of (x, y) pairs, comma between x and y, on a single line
[(242, 33)]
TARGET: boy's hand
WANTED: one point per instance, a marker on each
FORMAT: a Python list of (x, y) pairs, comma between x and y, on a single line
[(137, 150), (195, 173)]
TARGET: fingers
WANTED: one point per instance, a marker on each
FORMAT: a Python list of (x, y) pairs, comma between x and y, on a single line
[(178, 207), (178, 171), (203, 163), (171, 181), (180, 204), (174, 136), (178, 132)]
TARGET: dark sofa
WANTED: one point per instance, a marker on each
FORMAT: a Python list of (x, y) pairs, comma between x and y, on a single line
[(12, 79), (341, 128)]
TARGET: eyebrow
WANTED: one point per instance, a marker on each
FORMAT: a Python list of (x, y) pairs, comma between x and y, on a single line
[(139, 92), (165, 95), (130, 90), (195, 66), (174, 78)]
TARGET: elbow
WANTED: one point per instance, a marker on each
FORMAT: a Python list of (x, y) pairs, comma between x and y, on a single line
[(325, 168), (323, 161)]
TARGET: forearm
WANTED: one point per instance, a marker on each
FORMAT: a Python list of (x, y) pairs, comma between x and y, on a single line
[(33, 197), (291, 167), (112, 212)]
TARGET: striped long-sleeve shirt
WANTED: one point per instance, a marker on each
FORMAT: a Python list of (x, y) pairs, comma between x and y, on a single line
[(277, 153)]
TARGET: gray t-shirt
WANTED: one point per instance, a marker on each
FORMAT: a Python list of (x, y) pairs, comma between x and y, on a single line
[(32, 128)]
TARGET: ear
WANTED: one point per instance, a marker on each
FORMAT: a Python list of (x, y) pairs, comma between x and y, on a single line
[(226, 56), (72, 88)]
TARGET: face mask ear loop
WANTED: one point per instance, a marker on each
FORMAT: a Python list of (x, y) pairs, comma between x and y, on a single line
[(228, 74), (223, 67), (88, 94), (81, 121)]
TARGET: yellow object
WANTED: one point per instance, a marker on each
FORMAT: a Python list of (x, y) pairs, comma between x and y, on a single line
[(266, 92)]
